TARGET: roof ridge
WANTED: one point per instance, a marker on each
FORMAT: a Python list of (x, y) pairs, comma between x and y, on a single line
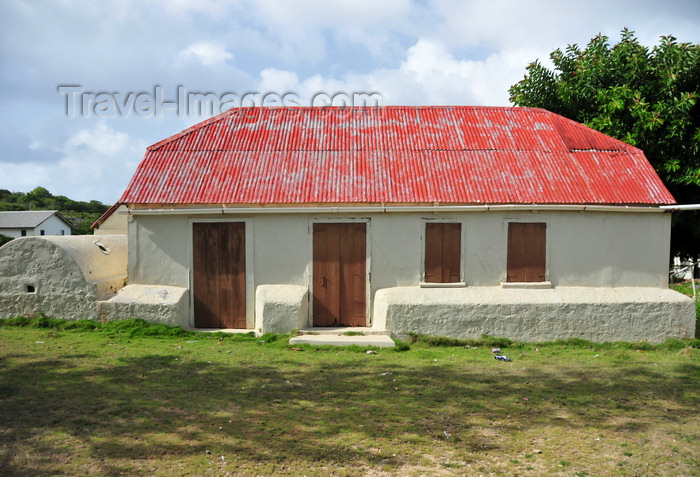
[(220, 117)]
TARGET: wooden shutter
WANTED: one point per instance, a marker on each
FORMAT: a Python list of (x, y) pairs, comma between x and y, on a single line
[(205, 251), (443, 252), (326, 275), (232, 275), (527, 252), (353, 279)]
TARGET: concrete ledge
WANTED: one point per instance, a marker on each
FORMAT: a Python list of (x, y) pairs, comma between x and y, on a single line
[(77, 304), (595, 314), (527, 285), (382, 341), (340, 330), (442, 285), (153, 303), (280, 308)]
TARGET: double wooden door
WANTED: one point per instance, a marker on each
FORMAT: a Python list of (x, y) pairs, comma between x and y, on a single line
[(219, 286), (339, 274)]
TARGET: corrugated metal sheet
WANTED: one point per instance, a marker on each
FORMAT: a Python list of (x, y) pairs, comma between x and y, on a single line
[(400, 155)]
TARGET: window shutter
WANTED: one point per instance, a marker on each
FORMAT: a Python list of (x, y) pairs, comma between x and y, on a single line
[(527, 252), (443, 252)]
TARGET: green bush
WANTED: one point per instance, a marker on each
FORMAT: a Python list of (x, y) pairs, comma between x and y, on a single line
[(16, 321), (443, 341), (401, 346), (4, 239)]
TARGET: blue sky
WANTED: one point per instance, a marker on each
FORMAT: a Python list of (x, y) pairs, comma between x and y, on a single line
[(409, 52)]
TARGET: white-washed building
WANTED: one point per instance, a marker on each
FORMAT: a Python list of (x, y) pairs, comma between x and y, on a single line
[(29, 223), (457, 221)]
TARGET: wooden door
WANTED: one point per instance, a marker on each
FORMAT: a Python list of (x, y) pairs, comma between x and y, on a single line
[(527, 252), (339, 274), (219, 275)]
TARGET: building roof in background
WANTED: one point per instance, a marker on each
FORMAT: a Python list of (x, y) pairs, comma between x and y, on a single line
[(393, 155), (27, 219)]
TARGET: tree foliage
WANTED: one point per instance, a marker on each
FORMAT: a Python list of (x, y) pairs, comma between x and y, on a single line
[(80, 214), (644, 97)]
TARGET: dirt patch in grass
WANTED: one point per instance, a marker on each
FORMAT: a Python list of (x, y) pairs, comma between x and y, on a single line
[(79, 402)]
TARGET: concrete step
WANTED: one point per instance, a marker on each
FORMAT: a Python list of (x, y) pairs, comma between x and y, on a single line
[(341, 330), (380, 340)]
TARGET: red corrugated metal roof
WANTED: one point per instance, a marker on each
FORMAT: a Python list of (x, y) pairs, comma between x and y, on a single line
[(393, 155)]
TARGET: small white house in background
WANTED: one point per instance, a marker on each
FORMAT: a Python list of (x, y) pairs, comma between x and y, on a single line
[(29, 223), (455, 221)]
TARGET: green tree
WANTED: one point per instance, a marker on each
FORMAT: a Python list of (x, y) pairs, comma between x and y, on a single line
[(644, 97), (38, 198)]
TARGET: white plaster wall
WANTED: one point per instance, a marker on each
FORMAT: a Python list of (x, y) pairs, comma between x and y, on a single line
[(159, 250), (396, 248), (589, 249), (116, 224), (610, 249), (583, 248), (282, 249)]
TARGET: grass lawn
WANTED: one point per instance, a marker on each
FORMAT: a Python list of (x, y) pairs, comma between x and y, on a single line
[(112, 401)]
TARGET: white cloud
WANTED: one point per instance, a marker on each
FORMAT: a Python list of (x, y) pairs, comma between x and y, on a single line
[(444, 79), (206, 52), (429, 74), (278, 81), (183, 8), (100, 140), (304, 14), (550, 24), (95, 163), (312, 31)]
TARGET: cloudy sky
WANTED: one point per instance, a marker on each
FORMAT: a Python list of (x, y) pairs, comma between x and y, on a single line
[(86, 86)]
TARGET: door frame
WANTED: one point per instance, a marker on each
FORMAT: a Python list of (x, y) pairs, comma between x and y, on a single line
[(310, 269), (249, 267)]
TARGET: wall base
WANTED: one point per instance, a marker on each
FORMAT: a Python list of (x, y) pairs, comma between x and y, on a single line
[(595, 314), (280, 308), (153, 303)]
